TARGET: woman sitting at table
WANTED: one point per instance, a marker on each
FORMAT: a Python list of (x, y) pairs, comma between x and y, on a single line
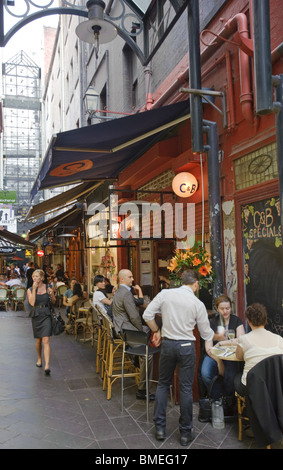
[(99, 295), (77, 298), (212, 368), (256, 345)]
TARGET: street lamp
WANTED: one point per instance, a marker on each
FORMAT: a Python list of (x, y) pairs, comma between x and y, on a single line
[(96, 30)]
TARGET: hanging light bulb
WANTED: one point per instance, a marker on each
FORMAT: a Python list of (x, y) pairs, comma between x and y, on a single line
[(96, 30)]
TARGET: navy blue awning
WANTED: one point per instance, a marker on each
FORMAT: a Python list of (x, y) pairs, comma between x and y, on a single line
[(102, 151)]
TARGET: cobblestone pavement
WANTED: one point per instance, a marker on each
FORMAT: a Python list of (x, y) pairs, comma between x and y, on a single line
[(69, 409)]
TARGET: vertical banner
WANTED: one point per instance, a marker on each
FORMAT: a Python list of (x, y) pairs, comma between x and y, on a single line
[(7, 218), (263, 258)]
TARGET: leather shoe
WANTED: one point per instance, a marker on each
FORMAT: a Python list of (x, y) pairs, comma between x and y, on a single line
[(186, 439), (160, 434), (141, 395)]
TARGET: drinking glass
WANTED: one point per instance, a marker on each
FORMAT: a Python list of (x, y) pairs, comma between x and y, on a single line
[(231, 334)]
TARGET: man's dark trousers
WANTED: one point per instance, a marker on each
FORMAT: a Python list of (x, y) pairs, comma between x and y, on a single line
[(174, 353)]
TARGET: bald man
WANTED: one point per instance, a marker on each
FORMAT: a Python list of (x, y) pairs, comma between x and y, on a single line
[(126, 316)]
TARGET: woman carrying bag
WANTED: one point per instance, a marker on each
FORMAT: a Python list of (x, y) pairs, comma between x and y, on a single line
[(39, 299)]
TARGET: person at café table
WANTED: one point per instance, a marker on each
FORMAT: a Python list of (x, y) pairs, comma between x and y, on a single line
[(99, 296), (256, 345), (14, 281), (212, 368)]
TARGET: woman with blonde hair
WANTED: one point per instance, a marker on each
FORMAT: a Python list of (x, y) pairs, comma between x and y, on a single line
[(39, 298)]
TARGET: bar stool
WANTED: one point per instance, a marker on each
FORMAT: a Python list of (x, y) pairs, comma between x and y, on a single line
[(101, 332), (142, 349)]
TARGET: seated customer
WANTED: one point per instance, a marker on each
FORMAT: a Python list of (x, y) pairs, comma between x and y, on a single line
[(14, 281), (220, 324), (256, 345), (99, 296), (108, 286), (68, 294)]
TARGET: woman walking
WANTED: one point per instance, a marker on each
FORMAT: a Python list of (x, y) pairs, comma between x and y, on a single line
[(38, 297)]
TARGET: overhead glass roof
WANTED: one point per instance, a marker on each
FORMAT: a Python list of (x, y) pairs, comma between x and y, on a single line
[(142, 5)]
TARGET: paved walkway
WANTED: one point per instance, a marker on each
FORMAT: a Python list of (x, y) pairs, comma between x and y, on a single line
[(69, 409)]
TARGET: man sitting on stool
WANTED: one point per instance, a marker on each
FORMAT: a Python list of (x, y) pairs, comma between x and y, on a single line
[(126, 316)]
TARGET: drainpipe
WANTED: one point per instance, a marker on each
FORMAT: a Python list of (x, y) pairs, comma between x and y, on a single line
[(183, 77), (246, 98), (214, 200), (147, 76)]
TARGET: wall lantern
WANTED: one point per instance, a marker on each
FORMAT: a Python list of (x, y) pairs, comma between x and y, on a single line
[(40, 253), (185, 184), (91, 99)]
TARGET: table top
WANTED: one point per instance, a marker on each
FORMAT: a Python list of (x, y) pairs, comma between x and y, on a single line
[(227, 353)]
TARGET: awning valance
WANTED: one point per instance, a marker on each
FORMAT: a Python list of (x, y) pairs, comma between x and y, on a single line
[(15, 239), (102, 151), (62, 200), (62, 219)]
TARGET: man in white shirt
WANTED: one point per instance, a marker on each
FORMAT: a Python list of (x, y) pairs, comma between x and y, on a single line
[(14, 281), (180, 310)]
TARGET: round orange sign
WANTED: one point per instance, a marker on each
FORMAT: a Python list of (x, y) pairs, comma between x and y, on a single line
[(68, 169)]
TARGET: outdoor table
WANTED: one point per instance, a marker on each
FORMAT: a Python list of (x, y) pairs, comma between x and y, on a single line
[(226, 353)]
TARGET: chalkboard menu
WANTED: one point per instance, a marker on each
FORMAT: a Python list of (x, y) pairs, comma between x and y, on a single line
[(263, 258)]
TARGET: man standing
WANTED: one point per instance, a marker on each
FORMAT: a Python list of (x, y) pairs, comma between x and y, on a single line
[(126, 316), (181, 310)]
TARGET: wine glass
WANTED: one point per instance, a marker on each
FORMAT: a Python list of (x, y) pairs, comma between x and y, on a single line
[(231, 334)]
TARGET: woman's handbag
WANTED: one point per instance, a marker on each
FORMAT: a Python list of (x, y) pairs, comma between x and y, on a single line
[(58, 324)]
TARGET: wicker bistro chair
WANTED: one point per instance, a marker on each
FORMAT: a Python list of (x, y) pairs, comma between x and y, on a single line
[(59, 295), (101, 341), (18, 296), (4, 297), (263, 405), (242, 414), (112, 357), (87, 319), (141, 348)]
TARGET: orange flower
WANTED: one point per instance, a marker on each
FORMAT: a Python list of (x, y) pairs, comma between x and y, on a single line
[(196, 261), (203, 271), (173, 265), (208, 268)]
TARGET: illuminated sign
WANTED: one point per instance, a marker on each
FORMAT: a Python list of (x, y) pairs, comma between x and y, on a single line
[(185, 184)]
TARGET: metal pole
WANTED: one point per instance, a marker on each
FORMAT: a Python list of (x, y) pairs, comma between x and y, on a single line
[(215, 223), (279, 133), (262, 57), (195, 76)]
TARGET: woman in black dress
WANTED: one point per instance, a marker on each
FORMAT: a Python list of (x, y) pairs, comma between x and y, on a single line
[(38, 297)]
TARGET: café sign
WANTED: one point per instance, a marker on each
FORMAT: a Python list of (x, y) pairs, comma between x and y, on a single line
[(185, 184), (7, 249)]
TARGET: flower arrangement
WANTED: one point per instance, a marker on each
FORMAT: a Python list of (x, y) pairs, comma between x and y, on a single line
[(196, 258), (108, 263)]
